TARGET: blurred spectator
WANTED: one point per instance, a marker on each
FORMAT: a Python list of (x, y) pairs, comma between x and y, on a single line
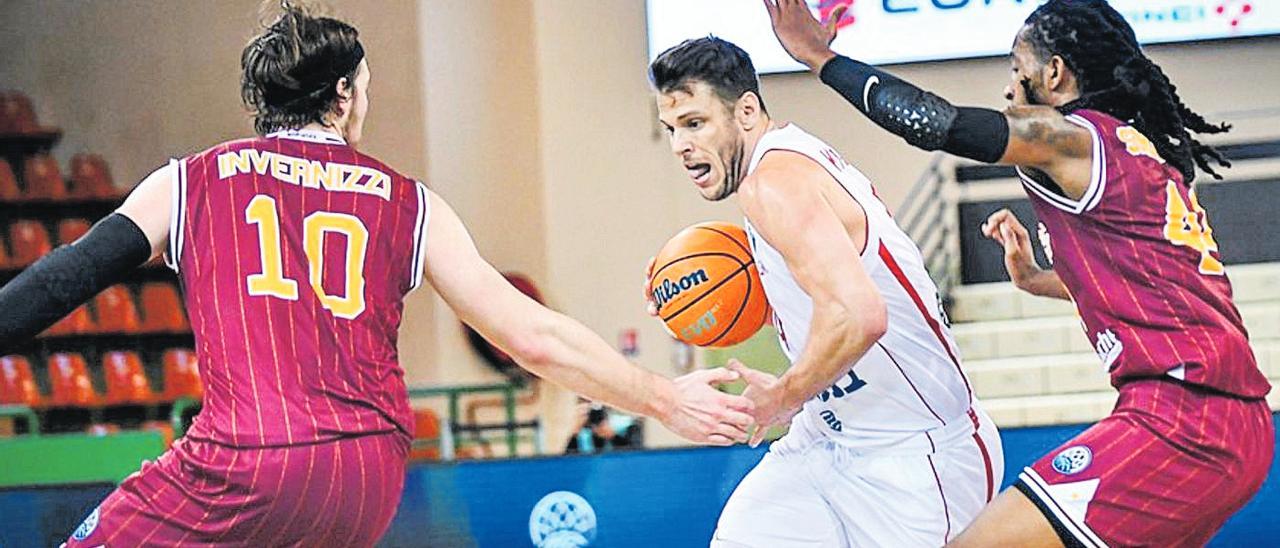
[(602, 431)]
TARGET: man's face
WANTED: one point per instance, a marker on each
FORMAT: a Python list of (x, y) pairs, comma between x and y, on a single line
[(706, 138), (1027, 86)]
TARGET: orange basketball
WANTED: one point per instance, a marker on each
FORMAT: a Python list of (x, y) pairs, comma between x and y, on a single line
[(706, 286)]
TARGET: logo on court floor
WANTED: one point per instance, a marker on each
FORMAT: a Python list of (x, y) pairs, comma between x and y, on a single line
[(86, 528), (1073, 460), (562, 519)]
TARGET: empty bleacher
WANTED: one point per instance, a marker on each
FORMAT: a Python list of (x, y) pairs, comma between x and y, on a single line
[(1032, 365), (123, 359)]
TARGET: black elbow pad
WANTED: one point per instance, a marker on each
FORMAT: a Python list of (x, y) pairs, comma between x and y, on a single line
[(978, 134), (921, 118)]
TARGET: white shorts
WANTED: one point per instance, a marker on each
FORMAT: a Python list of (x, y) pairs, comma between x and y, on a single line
[(810, 491)]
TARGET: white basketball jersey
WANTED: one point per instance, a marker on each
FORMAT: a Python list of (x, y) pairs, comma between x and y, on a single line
[(910, 381)]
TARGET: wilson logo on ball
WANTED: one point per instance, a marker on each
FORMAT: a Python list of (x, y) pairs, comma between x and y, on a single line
[(663, 293), (706, 286)]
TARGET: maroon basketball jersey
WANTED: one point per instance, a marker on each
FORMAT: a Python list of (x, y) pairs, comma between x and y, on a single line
[(295, 252), (1138, 256)]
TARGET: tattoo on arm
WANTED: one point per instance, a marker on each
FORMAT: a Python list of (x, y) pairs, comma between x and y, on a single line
[(1048, 128)]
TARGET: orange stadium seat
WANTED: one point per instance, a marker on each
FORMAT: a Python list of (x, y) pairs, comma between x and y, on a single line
[(43, 179), (69, 382), (77, 322), (126, 381), (117, 313), (70, 230), (29, 241), (8, 182), (162, 309), (426, 426), (90, 177), (181, 378), (17, 384), (17, 115)]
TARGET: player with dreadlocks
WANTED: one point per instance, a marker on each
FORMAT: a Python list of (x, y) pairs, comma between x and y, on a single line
[(1105, 149)]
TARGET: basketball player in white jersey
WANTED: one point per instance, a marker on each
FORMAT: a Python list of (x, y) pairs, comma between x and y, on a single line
[(887, 445)]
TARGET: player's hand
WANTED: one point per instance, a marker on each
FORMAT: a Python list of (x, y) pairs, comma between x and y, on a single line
[(704, 414), (1003, 227), (765, 394), (650, 306), (805, 39)]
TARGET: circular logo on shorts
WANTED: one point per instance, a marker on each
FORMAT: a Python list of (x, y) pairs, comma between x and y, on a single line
[(87, 526), (1073, 460), (562, 519)]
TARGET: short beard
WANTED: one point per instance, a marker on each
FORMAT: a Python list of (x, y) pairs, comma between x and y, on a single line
[(1030, 92), (733, 173)]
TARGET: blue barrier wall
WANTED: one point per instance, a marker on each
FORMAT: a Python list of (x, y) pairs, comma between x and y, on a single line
[(653, 498)]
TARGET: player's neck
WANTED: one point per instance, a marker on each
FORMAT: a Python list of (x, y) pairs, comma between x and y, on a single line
[(316, 127), (753, 137)]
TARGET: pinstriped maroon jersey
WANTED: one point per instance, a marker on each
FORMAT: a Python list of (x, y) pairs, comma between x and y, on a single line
[(1138, 255), (295, 253)]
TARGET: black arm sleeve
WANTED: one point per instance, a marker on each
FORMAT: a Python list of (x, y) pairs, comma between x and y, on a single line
[(921, 118), (66, 278)]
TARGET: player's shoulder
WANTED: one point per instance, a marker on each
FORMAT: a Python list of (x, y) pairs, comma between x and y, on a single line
[(225, 146), (782, 169), (1095, 119), (371, 162)]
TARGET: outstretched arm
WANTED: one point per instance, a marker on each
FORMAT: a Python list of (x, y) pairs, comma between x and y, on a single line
[(1031, 136), (561, 350), (72, 274)]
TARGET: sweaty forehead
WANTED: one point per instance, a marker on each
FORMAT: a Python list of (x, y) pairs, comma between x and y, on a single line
[(688, 98)]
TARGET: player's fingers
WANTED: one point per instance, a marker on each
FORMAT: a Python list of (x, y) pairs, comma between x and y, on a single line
[(719, 375), (988, 229), (732, 431), (1012, 232), (758, 435), (736, 403), (1007, 239), (991, 227), (736, 409), (650, 306), (720, 440), (833, 21), (998, 217), (772, 8), (750, 375)]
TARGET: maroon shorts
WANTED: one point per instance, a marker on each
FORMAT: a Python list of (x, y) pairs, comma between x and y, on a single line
[(336, 493), (1167, 468)]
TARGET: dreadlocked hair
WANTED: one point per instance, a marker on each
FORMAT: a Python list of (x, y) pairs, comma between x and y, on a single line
[(1115, 77)]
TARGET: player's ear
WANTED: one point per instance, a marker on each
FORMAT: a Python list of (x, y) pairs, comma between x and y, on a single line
[(747, 111), (346, 90), (1055, 73)]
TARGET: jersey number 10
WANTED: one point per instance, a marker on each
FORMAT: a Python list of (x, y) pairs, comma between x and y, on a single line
[(271, 281)]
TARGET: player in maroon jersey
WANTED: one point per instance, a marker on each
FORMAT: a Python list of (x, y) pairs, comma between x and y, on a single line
[(296, 251), (1105, 149)]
